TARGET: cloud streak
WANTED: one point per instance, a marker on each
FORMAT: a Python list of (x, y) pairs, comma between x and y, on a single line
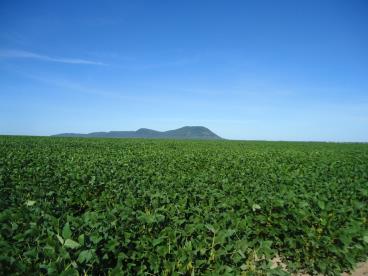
[(13, 54)]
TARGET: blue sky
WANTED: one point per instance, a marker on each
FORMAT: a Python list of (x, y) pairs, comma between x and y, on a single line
[(274, 70)]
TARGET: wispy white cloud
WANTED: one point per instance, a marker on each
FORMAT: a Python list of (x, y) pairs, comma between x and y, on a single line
[(68, 85), (137, 64), (73, 86), (11, 54)]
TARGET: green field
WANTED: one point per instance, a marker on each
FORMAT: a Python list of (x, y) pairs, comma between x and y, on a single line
[(122, 207)]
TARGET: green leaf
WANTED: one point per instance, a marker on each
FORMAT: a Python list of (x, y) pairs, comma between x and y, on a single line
[(255, 207), (95, 238), (71, 244), (85, 256), (365, 239), (30, 203), (111, 245), (211, 228), (69, 271), (81, 239), (49, 250), (67, 233), (321, 205), (157, 241), (61, 240)]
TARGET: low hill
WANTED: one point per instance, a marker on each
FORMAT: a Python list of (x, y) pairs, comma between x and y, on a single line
[(187, 132)]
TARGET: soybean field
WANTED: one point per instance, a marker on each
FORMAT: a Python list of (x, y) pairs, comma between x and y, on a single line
[(84, 206)]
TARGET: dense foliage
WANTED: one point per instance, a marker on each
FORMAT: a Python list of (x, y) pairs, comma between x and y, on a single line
[(115, 206)]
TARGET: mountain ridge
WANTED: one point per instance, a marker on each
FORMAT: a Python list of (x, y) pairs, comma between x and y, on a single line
[(186, 132)]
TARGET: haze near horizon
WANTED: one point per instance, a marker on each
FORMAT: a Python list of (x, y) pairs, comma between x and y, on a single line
[(257, 70)]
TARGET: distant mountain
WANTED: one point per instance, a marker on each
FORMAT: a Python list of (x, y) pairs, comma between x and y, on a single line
[(187, 132)]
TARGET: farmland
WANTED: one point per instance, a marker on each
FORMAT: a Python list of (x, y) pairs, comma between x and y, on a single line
[(135, 206)]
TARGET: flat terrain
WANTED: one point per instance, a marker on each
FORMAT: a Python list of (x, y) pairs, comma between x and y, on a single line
[(125, 206)]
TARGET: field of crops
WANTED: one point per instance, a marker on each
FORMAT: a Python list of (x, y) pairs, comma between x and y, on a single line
[(122, 207)]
